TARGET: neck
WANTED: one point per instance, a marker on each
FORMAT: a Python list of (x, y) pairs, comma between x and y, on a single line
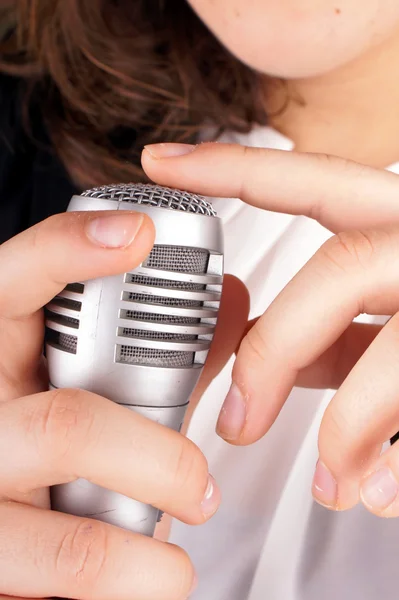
[(352, 112)]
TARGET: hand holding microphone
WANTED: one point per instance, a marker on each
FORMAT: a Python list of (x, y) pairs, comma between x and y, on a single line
[(139, 338), (59, 436)]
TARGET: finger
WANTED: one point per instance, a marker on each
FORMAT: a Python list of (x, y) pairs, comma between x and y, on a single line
[(339, 194), (330, 369), (232, 320), (351, 274), (379, 490), (63, 435), (38, 263), (69, 557), (362, 416), (334, 365), (67, 248)]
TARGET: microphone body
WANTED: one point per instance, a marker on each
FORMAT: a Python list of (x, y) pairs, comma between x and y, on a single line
[(140, 338)]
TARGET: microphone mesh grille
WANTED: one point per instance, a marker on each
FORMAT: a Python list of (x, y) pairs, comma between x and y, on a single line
[(155, 358), (165, 283), (68, 342), (157, 335), (171, 259), (153, 195), (180, 259), (162, 301), (157, 318)]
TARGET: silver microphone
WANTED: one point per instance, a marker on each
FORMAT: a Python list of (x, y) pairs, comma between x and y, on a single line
[(141, 338)]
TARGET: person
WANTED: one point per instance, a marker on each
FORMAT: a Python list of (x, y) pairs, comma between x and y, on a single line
[(303, 99)]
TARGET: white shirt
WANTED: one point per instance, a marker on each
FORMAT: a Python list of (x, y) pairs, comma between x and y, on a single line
[(269, 539)]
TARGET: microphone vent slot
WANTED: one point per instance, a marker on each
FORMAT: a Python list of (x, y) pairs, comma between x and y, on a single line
[(62, 341), (156, 335), (164, 283), (154, 357), (63, 318), (67, 303), (160, 300), (178, 258), (77, 288), (174, 310), (155, 318)]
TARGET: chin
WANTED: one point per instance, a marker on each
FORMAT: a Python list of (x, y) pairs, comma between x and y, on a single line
[(291, 64), (293, 56)]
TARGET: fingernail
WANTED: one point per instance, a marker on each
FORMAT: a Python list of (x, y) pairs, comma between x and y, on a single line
[(114, 231), (169, 150), (233, 415), (380, 489), (211, 499), (325, 490)]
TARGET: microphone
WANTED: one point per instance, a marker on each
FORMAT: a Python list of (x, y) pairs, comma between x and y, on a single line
[(141, 338)]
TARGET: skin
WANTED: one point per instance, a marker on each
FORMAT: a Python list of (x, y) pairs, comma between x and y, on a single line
[(298, 39), (62, 435), (354, 272), (338, 60), (338, 63)]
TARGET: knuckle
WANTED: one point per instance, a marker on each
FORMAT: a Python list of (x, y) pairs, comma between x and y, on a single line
[(248, 160), (190, 471), (48, 234), (41, 231), (82, 553), (255, 345), (327, 159), (335, 439), (249, 151), (340, 165), (64, 424), (350, 250)]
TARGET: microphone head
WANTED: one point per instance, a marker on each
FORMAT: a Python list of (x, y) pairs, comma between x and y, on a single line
[(153, 195), (150, 327)]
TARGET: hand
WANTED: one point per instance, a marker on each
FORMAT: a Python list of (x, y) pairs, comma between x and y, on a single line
[(307, 336), (48, 438)]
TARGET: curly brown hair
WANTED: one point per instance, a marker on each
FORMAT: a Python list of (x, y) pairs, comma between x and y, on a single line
[(114, 75)]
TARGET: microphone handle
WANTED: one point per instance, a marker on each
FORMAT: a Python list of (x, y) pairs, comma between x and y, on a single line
[(85, 499)]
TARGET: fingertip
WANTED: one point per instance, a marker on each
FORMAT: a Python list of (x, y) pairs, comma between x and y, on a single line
[(116, 230), (233, 415), (147, 234), (166, 164), (146, 158), (324, 487), (129, 232), (211, 500), (150, 165), (379, 491), (168, 150), (188, 575), (98, 243)]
